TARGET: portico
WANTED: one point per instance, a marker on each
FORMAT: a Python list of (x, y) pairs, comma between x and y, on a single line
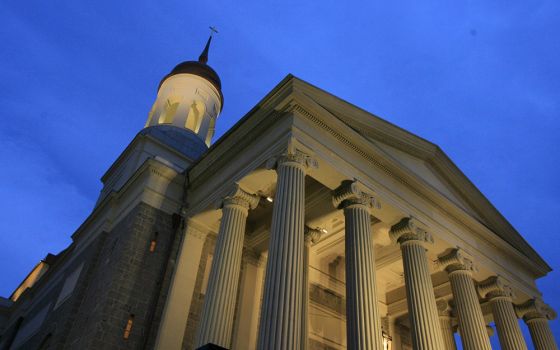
[(405, 250)]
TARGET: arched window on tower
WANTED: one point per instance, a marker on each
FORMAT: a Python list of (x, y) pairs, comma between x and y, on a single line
[(211, 130), (169, 112), (150, 116), (195, 116)]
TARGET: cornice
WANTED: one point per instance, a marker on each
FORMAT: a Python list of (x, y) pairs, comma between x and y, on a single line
[(138, 139), (151, 166)]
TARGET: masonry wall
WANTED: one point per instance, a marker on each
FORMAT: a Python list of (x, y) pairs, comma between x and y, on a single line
[(126, 284), (50, 330), (120, 277)]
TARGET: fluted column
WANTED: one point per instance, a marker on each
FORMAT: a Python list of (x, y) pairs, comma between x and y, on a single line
[(469, 314), (422, 310), (536, 314), (446, 323), (499, 295), (281, 314), (216, 324), (363, 324), (312, 236)]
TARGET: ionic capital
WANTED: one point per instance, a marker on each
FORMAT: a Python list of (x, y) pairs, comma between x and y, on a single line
[(494, 287), (294, 158), (312, 235), (534, 308), (239, 197), (456, 260), (350, 193), (409, 229)]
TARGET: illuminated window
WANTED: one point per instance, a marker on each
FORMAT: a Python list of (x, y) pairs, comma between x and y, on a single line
[(150, 116), (153, 243), (167, 116), (211, 130), (128, 327), (194, 118)]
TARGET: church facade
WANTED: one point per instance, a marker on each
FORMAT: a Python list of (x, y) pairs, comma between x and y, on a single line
[(311, 224)]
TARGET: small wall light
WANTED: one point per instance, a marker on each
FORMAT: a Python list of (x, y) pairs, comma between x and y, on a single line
[(387, 341)]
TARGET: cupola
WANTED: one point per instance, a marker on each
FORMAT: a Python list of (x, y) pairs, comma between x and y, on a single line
[(189, 97)]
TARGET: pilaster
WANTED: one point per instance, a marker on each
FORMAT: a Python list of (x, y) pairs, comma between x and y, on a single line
[(312, 236), (178, 303)]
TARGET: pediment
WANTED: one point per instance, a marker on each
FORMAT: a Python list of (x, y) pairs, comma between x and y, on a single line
[(421, 159)]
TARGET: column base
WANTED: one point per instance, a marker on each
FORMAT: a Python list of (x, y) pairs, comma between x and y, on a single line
[(211, 346)]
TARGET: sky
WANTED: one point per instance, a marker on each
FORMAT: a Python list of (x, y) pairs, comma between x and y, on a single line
[(479, 78)]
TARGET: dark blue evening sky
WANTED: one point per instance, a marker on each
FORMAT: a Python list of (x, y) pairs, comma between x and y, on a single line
[(479, 78)]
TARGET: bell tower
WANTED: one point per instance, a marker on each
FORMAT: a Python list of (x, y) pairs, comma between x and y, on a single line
[(180, 124), (190, 97)]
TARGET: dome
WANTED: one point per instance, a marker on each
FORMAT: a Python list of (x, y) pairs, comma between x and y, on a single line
[(197, 68), (182, 140)]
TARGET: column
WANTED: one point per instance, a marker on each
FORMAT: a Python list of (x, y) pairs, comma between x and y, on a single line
[(498, 293), (363, 324), (178, 303), (216, 324), (280, 325), (446, 323), (312, 236), (467, 307), (536, 315), (422, 310)]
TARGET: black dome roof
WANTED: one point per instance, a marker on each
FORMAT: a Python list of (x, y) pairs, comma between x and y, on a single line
[(199, 68)]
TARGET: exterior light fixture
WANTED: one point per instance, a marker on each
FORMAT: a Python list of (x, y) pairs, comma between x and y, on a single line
[(387, 341)]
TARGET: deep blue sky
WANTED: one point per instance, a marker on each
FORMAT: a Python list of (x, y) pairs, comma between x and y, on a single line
[(479, 78)]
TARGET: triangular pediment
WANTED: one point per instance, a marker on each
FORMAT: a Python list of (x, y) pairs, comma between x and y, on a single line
[(421, 159)]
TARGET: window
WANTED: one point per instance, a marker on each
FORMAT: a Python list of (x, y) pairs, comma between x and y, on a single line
[(167, 116), (128, 327), (153, 242), (195, 116), (211, 130), (150, 116)]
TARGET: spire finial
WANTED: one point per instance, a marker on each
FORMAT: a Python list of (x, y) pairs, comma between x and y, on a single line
[(203, 58)]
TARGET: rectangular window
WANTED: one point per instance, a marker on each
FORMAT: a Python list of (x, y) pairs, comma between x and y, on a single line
[(128, 327), (153, 242)]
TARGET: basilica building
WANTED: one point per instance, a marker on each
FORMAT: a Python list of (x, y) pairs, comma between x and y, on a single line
[(311, 224)]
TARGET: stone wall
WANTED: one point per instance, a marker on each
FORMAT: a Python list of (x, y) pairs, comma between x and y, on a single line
[(125, 284), (120, 277)]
